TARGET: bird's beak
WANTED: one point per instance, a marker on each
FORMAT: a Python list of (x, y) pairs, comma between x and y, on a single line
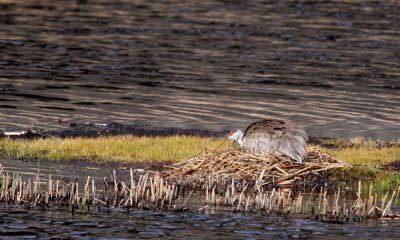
[(224, 140), (230, 134), (227, 136)]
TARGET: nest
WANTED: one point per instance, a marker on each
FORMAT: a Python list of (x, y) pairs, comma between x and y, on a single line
[(235, 164)]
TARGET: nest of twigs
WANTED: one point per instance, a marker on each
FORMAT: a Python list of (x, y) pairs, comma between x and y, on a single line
[(236, 164)]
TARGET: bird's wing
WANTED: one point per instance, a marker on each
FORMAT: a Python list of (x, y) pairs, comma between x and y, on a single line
[(294, 143), (293, 146), (263, 137), (273, 135), (272, 127)]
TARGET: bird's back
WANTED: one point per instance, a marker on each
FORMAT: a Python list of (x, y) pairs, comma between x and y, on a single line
[(275, 136)]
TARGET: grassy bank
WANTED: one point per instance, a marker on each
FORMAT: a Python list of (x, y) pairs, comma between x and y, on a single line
[(174, 148), (360, 151), (120, 148), (364, 156), (368, 156)]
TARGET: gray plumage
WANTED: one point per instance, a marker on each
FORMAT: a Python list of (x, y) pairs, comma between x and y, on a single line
[(273, 136)]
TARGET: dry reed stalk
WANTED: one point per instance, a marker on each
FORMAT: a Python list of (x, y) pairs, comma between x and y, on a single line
[(94, 193), (397, 195), (37, 185), (384, 201), (50, 186), (76, 197), (187, 199), (131, 192), (87, 190), (388, 205), (241, 196)]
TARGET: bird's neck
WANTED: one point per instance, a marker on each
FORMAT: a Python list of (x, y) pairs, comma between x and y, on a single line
[(240, 139)]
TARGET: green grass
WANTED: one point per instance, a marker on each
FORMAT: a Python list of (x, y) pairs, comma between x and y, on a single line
[(367, 156), (360, 151), (356, 151), (119, 148)]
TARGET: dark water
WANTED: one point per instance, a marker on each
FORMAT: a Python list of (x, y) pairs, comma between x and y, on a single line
[(60, 224), (69, 171), (331, 66)]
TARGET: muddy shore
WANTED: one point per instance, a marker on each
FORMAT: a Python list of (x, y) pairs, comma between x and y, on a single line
[(111, 129)]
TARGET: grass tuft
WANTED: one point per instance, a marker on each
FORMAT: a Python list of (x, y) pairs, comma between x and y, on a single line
[(367, 156), (361, 151)]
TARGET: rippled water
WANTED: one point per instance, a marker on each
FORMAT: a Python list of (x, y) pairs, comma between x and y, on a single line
[(331, 66), (144, 225)]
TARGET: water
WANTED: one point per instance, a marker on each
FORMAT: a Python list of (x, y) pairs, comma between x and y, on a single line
[(69, 171), (332, 67), (19, 223)]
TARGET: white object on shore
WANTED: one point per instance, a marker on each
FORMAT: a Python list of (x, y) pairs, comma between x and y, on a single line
[(15, 133)]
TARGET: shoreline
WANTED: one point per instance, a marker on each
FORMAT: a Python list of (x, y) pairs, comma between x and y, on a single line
[(89, 129), (145, 143)]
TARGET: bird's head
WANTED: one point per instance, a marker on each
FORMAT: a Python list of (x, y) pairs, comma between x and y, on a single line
[(236, 135)]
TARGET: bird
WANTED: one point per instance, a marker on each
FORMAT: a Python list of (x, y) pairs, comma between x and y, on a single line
[(273, 136)]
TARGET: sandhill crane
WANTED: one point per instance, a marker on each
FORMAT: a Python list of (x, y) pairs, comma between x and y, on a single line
[(273, 136)]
